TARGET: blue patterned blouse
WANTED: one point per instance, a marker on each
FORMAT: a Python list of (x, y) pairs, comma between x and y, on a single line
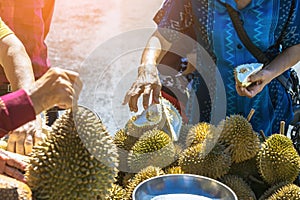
[(272, 25)]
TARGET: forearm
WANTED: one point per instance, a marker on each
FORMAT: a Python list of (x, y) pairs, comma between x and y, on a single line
[(155, 49), (16, 63), (284, 61)]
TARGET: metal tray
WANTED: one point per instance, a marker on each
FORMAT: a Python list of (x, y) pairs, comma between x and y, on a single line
[(182, 186)]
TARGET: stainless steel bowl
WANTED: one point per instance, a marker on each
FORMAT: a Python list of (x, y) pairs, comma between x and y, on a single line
[(183, 187)]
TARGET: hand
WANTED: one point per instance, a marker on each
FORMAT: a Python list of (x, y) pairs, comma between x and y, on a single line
[(258, 80), (147, 82), (13, 164), (22, 139), (56, 87)]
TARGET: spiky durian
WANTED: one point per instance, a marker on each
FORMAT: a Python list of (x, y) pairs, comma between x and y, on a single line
[(124, 143), (123, 140), (271, 190), (12, 189), (174, 170), (199, 132), (288, 191), (116, 192), (238, 135), (214, 164), (143, 175), (248, 171), (77, 161), (239, 186), (278, 160), (153, 148)]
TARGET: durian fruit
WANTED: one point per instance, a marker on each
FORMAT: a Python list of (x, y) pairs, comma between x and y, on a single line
[(123, 140), (12, 189), (271, 190), (151, 118), (238, 135), (77, 161), (124, 143), (248, 171), (278, 160), (288, 191), (174, 170), (242, 73), (163, 116), (239, 186), (198, 132), (116, 192), (141, 176), (155, 148), (214, 164)]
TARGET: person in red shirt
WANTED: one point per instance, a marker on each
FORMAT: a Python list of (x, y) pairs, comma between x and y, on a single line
[(56, 87), (30, 21)]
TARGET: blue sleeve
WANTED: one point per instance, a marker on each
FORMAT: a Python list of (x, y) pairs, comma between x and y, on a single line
[(291, 34), (174, 16)]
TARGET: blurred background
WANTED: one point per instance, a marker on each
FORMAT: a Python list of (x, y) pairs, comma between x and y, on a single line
[(79, 28)]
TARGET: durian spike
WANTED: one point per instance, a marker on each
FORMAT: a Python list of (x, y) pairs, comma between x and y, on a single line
[(261, 132), (282, 128), (250, 115)]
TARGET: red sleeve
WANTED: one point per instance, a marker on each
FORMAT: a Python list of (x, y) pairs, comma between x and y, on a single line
[(16, 109)]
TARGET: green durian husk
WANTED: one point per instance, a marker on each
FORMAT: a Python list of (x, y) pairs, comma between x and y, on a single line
[(116, 192), (238, 135), (282, 191), (78, 160), (141, 176), (214, 164), (239, 186), (278, 160), (198, 132), (154, 148)]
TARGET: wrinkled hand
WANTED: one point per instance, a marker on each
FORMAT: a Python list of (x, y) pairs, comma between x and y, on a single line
[(147, 82), (22, 139), (258, 80), (57, 87), (13, 164)]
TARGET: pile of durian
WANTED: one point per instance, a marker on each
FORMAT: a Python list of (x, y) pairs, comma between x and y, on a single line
[(253, 166), (81, 160)]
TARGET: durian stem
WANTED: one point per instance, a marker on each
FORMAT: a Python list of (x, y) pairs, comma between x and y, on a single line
[(282, 128), (261, 132), (250, 115)]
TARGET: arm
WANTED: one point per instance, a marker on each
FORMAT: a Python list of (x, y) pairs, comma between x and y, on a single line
[(56, 87), (15, 62), (284, 61), (148, 80), (18, 70)]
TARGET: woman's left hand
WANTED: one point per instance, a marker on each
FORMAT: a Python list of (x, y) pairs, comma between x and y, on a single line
[(258, 80)]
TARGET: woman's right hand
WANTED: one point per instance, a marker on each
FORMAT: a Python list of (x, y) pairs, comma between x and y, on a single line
[(146, 82)]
